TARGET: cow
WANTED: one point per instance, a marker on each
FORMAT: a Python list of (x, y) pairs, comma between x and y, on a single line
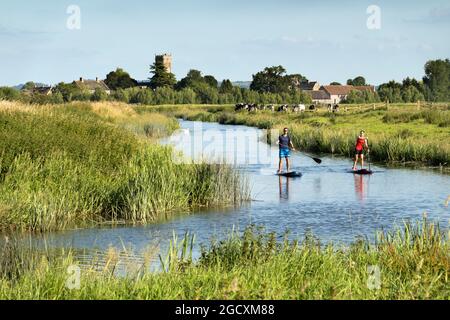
[(336, 108), (295, 108), (283, 108), (312, 107), (240, 106), (253, 108)]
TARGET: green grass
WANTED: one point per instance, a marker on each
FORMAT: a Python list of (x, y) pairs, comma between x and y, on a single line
[(413, 262), (399, 133), (79, 164)]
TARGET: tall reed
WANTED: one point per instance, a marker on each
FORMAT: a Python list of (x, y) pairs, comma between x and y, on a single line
[(409, 262)]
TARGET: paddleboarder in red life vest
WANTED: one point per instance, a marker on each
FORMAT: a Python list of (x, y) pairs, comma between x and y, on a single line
[(361, 144), (285, 144)]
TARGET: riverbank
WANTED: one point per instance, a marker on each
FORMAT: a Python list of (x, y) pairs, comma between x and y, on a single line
[(398, 133), (85, 163), (408, 263)]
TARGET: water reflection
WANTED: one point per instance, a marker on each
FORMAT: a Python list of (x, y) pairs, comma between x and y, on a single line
[(284, 188), (361, 186), (318, 185)]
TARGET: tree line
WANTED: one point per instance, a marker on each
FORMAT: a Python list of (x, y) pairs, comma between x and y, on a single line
[(271, 85)]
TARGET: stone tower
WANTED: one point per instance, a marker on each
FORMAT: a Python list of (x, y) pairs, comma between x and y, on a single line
[(166, 60)]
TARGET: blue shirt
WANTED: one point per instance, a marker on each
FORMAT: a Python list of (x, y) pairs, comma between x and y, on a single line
[(284, 141)]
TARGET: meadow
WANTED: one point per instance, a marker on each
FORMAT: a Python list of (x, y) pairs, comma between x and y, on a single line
[(86, 163), (409, 262), (398, 133)]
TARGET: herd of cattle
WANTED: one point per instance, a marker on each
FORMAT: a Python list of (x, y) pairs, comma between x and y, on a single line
[(253, 107)]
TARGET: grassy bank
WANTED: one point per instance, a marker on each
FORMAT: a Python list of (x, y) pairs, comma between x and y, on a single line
[(398, 133), (84, 163), (413, 263)]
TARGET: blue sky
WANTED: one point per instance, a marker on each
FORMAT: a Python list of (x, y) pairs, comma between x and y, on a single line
[(323, 40)]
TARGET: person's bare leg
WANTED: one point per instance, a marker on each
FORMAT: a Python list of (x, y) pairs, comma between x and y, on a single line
[(288, 165), (362, 161), (280, 165), (356, 162)]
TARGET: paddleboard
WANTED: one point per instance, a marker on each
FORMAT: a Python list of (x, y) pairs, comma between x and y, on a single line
[(362, 171), (291, 174)]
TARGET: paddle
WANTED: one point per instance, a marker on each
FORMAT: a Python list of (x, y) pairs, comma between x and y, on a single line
[(317, 160)]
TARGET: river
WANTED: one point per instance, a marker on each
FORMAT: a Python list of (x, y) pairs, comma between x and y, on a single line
[(329, 201)]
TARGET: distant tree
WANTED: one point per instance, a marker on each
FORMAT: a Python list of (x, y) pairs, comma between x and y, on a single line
[(187, 96), (226, 86), (411, 94), (99, 95), (56, 97), (334, 83), (271, 79), (206, 94), (67, 90), (296, 79), (161, 78), (8, 93), (121, 95), (29, 85), (437, 80), (119, 79), (358, 81), (391, 91), (164, 95), (192, 78), (211, 81)]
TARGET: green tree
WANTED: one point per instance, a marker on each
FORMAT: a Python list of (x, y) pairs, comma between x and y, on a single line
[(226, 86), (161, 78), (192, 78), (437, 80), (7, 93), (271, 79), (121, 95), (211, 81), (358, 81), (29, 85), (67, 90), (119, 79), (295, 80), (99, 95), (207, 94)]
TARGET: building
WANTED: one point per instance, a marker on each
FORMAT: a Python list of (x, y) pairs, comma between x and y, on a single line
[(44, 90), (92, 85), (143, 84), (331, 94), (309, 86), (166, 59), (337, 93)]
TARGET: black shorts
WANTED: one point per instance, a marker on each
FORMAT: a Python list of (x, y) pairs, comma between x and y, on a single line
[(360, 152)]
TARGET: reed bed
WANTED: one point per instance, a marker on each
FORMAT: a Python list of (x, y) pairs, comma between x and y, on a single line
[(83, 163), (410, 262)]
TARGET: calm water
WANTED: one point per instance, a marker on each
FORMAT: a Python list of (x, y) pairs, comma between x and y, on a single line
[(328, 200)]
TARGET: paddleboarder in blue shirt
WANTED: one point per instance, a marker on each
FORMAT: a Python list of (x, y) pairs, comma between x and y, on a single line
[(285, 144)]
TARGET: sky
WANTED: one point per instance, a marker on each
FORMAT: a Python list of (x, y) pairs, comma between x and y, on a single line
[(323, 40)]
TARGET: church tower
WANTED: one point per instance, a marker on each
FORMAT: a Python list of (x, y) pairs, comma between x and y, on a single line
[(166, 60)]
